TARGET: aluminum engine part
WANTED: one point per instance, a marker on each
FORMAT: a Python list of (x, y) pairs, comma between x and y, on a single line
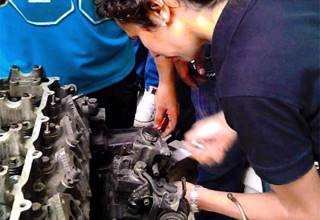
[(46, 134), (44, 148), (135, 183)]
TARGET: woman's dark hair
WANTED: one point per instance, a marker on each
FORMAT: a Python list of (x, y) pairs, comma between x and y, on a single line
[(136, 11)]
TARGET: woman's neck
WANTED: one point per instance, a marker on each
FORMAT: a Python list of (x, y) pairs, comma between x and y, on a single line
[(202, 22)]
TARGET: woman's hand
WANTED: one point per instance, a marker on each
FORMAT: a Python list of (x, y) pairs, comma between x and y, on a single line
[(209, 139)]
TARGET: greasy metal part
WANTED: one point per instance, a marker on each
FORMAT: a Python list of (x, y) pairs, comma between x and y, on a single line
[(135, 182), (44, 148), (47, 136)]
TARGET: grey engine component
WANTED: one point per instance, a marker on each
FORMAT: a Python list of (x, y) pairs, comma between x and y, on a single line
[(46, 134), (135, 183), (44, 148)]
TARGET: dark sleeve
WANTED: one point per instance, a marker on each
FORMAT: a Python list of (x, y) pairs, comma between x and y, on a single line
[(274, 136)]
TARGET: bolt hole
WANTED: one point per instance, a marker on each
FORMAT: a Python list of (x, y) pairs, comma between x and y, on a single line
[(38, 187), (14, 99), (25, 124), (14, 126), (36, 153), (13, 160), (26, 95)]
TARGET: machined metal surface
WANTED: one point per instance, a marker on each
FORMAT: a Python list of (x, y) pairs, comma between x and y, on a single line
[(54, 144), (44, 148), (135, 182)]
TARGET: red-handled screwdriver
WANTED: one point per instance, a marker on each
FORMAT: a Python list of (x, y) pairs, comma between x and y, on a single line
[(163, 124)]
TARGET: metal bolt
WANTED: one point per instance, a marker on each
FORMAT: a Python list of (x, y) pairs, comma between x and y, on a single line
[(14, 67), (15, 82), (35, 67), (92, 101), (36, 208), (72, 90), (57, 100), (52, 100), (47, 131), (150, 134), (45, 159), (48, 165), (38, 187)]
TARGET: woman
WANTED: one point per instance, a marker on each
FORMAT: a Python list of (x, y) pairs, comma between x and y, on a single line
[(266, 57)]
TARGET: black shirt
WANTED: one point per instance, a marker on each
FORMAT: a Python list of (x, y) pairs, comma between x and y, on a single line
[(267, 54)]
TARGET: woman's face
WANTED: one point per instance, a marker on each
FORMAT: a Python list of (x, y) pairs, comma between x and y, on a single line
[(172, 41)]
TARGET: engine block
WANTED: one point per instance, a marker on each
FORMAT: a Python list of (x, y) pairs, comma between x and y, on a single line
[(44, 148), (135, 184), (54, 145)]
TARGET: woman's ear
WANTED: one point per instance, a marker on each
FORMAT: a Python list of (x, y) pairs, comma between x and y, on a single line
[(159, 12)]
